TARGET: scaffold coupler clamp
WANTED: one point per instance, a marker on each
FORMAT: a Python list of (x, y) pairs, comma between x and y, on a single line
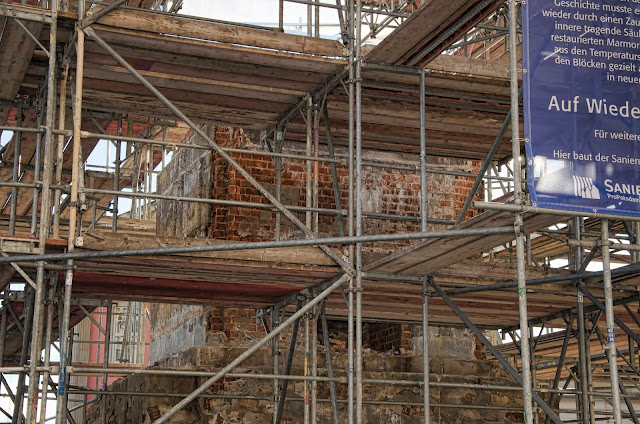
[(518, 228), (603, 243), (426, 295)]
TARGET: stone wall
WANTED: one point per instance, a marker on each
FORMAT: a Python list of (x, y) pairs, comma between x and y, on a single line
[(188, 174), (455, 358)]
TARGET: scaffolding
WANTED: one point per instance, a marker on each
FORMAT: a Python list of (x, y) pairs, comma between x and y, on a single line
[(47, 245)]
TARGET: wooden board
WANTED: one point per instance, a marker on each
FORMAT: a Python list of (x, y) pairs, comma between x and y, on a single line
[(433, 254), (438, 23), (16, 50), (200, 29), (299, 255)]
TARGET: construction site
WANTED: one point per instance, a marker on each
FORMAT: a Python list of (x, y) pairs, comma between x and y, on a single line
[(324, 218)]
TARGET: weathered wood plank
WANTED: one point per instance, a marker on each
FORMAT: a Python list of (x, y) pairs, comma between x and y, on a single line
[(222, 70), (421, 24), (195, 84), (16, 50), (219, 32), (423, 27), (136, 40), (430, 255), (131, 99), (470, 66), (297, 255)]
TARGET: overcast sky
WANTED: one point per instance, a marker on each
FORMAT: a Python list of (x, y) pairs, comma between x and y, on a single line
[(262, 12)]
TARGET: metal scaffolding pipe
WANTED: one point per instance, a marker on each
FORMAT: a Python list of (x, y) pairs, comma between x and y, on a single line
[(545, 407), (255, 245), (426, 395), (351, 211), (53, 279), (536, 210), (423, 154), (65, 339), (609, 315), (59, 158), (36, 177), (357, 53), (240, 359), (525, 351), (582, 343)]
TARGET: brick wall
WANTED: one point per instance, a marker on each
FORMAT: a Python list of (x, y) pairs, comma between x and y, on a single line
[(387, 191), (387, 337), (202, 173)]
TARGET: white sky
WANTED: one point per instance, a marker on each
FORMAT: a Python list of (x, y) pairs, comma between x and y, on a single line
[(263, 12)]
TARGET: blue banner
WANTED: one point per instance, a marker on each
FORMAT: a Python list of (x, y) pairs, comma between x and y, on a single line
[(581, 75)]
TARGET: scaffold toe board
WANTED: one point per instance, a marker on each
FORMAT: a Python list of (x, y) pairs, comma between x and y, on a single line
[(431, 255), (248, 278)]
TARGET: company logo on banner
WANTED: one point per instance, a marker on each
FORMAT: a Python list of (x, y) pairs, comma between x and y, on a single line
[(581, 61)]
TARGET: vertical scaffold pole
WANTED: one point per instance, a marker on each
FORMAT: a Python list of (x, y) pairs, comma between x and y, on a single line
[(423, 227), (45, 219), (53, 283), (582, 342), (315, 225), (314, 366), (36, 176), (423, 153), (611, 332), (277, 163), (65, 347), (105, 359), (426, 294), (307, 367), (17, 146), (309, 165), (60, 143), (116, 178), (358, 262), (274, 355), (518, 221), (351, 218)]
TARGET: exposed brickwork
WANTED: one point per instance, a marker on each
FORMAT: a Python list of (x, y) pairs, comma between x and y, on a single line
[(391, 350), (237, 324), (386, 191), (387, 337)]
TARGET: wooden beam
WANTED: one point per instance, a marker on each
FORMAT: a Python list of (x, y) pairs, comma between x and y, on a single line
[(16, 51), (220, 32), (470, 66)]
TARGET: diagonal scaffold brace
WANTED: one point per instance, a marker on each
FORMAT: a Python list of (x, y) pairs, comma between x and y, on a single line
[(545, 407), (224, 155), (240, 359)]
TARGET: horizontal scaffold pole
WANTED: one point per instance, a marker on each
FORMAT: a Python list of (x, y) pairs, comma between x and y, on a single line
[(240, 359), (323, 241)]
